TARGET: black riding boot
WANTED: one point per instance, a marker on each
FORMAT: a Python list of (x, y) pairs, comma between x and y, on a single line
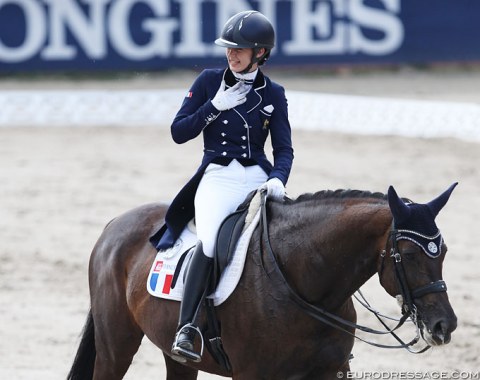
[(193, 292)]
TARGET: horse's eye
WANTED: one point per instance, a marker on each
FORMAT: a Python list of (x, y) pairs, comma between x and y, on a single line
[(409, 253)]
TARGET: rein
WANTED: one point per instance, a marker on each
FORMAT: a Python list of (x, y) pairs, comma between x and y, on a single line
[(342, 324)]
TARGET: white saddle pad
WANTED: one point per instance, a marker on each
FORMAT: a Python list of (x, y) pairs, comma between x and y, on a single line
[(161, 274)]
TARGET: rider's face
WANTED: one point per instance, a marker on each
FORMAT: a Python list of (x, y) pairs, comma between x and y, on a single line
[(239, 59)]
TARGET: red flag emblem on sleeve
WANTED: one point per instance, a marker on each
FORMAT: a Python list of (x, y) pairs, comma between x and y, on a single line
[(189, 95)]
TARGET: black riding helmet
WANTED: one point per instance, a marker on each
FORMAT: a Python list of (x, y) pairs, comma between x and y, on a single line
[(248, 29)]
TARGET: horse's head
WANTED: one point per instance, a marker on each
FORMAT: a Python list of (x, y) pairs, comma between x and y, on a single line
[(411, 266)]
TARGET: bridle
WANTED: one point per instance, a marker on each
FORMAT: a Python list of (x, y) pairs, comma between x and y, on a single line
[(408, 295), (409, 309)]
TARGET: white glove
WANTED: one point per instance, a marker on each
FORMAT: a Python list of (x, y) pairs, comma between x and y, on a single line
[(274, 188), (232, 97)]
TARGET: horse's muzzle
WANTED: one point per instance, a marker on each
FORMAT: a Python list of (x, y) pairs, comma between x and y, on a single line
[(438, 331)]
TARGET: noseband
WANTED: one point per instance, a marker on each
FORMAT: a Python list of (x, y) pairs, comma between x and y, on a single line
[(407, 294)]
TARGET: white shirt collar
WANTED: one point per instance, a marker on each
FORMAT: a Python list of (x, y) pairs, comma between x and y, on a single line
[(248, 77)]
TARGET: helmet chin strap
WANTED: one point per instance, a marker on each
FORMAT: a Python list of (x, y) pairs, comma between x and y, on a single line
[(254, 60), (249, 67)]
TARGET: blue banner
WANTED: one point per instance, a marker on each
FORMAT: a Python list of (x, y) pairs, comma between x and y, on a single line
[(88, 35)]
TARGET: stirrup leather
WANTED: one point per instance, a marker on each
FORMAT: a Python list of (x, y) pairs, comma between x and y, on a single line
[(181, 352)]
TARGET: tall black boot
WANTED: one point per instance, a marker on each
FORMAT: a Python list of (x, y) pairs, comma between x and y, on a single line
[(193, 292)]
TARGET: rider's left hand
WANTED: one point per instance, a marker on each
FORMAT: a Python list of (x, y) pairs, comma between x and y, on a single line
[(274, 187)]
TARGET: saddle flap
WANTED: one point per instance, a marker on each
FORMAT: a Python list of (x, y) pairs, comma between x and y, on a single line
[(227, 237)]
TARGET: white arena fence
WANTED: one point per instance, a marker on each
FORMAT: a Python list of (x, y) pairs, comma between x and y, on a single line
[(308, 111)]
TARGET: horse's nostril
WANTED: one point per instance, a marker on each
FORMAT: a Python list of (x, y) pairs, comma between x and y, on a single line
[(441, 331)]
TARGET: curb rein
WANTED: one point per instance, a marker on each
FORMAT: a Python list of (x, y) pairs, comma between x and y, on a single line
[(409, 309)]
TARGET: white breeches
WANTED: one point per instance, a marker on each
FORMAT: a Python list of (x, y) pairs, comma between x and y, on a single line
[(220, 192)]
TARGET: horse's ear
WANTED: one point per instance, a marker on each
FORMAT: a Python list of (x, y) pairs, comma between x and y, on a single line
[(437, 204), (399, 209)]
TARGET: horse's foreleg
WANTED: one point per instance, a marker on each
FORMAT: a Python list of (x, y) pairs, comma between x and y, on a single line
[(177, 371)]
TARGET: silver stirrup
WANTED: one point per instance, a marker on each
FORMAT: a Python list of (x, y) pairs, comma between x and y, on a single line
[(180, 354)]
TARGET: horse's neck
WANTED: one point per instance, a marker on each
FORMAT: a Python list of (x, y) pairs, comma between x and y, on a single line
[(329, 252)]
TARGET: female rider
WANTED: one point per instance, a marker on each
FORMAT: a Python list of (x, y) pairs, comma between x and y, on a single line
[(235, 109)]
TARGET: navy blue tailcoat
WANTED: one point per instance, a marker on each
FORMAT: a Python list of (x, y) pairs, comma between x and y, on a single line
[(238, 133)]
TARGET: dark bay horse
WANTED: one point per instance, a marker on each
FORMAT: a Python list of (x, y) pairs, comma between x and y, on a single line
[(326, 245)]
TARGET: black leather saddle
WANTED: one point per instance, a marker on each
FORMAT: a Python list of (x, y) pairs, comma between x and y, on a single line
[(228, 234), (227, 237)]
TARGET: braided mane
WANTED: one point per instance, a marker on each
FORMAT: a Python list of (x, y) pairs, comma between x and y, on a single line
[(337, 194)]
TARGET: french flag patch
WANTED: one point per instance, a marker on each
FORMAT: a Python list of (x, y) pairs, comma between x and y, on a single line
[(156, 276), (190, 94)]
